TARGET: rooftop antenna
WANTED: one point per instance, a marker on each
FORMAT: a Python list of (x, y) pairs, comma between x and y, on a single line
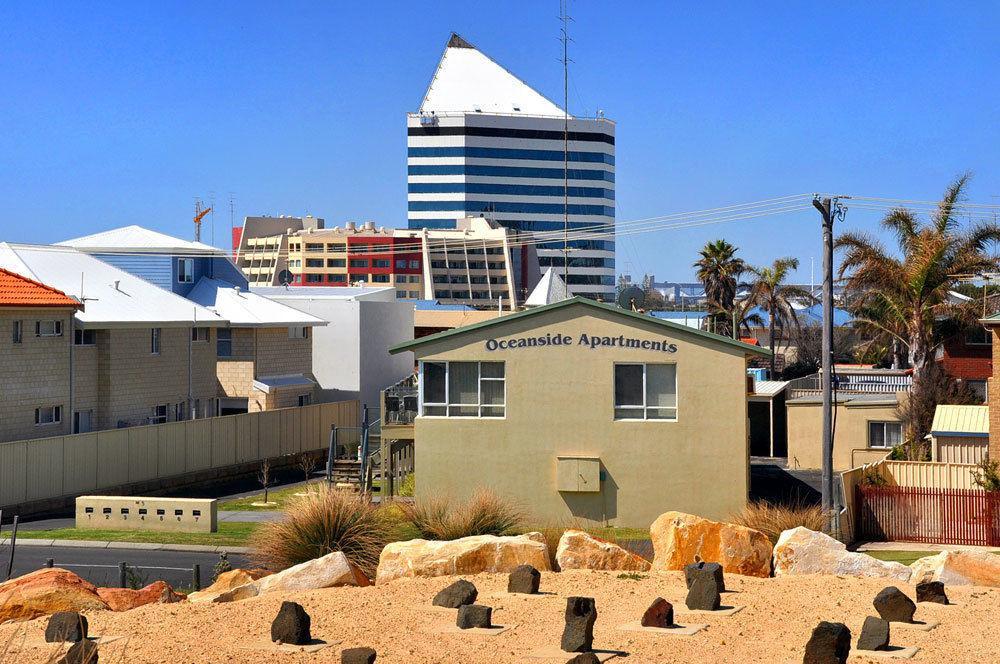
[(199, 214), (565, 18), (211, 200), (232, 216)]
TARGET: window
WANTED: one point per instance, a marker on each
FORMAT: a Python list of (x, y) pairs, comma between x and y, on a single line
[(83, 421), (305, 399), (199, 334), (84, 337), (48, 328), (314, 278), (884, 434), (400, 264), (179, 411), (414, 265), (645, 391), (336, 248), (18, 331), (414, 295), (462, 389), (381, 262), (400, 295), (185, 270), (314, 262), (298, 332), (978, 336), (224, 342), (154, 341), (336, 262), (48, 415), (359, 262), (338, 278), (159, 414), (314, 247), (380, 278)]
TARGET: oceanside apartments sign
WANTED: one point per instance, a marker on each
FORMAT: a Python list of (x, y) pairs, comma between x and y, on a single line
[(590, 341)]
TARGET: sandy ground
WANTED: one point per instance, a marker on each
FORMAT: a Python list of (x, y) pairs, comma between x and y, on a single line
[(774, 625)]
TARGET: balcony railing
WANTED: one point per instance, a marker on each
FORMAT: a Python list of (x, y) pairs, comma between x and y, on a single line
[(399, 402), (856, 383)]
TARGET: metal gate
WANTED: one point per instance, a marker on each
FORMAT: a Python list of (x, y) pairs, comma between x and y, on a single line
[(930, 516)]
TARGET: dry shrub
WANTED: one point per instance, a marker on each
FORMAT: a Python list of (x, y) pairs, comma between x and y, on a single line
[(772, 520), (324, 521), (485, 513)]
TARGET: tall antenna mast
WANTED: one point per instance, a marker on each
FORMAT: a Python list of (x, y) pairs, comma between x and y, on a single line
[(565, 19)]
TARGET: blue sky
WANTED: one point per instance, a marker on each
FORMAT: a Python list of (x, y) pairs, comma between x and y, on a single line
[(119, 113)]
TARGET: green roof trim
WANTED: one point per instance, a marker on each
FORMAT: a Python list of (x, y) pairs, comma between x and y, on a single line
[(675, 327)]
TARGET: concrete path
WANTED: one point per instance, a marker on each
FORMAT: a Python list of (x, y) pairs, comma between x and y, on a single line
[(919, 546)]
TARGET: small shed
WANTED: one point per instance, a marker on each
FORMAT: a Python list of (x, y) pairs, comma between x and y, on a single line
[(960, 434), (768, 426)]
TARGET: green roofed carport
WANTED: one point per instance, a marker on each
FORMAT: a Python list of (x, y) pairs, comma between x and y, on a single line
[(585, 302)]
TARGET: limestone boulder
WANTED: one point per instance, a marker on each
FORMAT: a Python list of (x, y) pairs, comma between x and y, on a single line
[(468, 555), (45, 592), (126, 599), (680, 539), (804, 551), (227, 581), (579, 550), (959, 568), (329, 571)]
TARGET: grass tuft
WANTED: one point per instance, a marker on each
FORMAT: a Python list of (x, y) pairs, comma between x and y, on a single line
[(324, 521), (772, 520), (485, 513)]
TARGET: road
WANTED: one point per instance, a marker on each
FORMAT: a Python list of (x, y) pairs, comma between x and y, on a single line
[(100, 566)]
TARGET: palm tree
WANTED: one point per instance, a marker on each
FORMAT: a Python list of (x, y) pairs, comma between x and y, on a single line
[(899, 296), (775, 297), (718, 271)]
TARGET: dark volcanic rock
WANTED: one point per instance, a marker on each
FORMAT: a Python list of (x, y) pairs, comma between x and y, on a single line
[(874, 634), (66, 626), (694, 569), (830, 643), (704, 594), (81, 652), (291, 625), (474, 615), (585, 658), (357, 656), (524, 579), (578, 634), (893, 605), (659, 614), (931, 591), (457, 594)]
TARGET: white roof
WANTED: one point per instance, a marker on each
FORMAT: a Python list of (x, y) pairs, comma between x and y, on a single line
[(111, 297), (551, 288), (769, 388), (466, 80), (326, 292), (137, 239), (268, 383), (246, 309)]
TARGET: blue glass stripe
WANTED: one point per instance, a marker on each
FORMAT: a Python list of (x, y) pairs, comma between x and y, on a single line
[(509, 172), (475, 207), (508, 189), (507, 153)]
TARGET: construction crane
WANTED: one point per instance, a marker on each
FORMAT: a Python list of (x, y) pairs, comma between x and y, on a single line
[(199, 214)]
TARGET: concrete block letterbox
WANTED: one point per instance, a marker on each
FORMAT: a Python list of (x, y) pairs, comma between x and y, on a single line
[(179, 515), (578, 474)]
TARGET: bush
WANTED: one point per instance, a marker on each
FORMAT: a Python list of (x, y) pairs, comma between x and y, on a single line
[(772, 520), (872, 476), (485, 513), (987, 475), (407, 486), (324, 521)]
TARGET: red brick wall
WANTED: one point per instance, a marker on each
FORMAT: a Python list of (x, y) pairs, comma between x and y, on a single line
[(969, 362)]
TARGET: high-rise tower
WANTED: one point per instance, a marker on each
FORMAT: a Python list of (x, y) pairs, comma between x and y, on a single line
[(484, 143)]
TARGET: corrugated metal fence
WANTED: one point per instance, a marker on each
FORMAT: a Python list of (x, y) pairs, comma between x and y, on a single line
[(71, 465)]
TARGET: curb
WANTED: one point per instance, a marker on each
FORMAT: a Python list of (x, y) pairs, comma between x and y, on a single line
[(143, 546)]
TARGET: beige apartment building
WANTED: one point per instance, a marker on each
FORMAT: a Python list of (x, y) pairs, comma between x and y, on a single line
[(134, 354), (261, 248), (584, 412)]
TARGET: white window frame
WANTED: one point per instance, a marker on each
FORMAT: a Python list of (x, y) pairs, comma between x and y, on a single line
[(883, 423), (157, 418), (304, 400), (185, 270), (298, 332), (56, 414), (56, 328), (83, 337), (197, 334), (988, 332), (479, 392), (76, 421), (646, 408), (155, 334)]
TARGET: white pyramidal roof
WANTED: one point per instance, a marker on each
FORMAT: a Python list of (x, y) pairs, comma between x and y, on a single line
[(550, 289), (111, 297), (137, 239), (467, 80), (246, 309)]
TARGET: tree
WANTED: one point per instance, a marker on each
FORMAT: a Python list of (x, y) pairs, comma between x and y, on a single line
[(775, 297), (916, 412), (896, 298), (264, 476), (718, 270), (307, 463)]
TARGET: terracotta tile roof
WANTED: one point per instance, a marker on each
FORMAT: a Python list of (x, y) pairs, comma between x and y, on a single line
[(18, 291)]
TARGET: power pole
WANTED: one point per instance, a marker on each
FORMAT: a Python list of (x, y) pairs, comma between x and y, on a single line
[(829, 209)]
